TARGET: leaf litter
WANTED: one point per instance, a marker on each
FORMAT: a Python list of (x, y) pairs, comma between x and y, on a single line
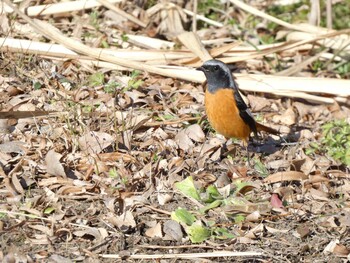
[(129, 167)]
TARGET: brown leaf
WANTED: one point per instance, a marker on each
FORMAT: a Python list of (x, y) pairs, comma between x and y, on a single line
[(13, 147), (336, 248), (16, 183), (155, 231), (93, 232), (184, 142), (95, 142), (303, 231), (341, 250), (125, 220), (53, 165), (276, 201), (195, 132), (173, 230), (255, 232), (287, 118), (306, 165), (258, 103), (254, 217), (285, 176)]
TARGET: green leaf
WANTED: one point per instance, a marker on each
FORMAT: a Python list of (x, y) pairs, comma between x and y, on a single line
[(260, 168), (96, 79), (49, 210), (37, 85), (181, 215), (347, 157), (187, 188), (212, 194), (198, 233), (239, 219), (212, 205), (239, 185), (223, 233), (113, 173)]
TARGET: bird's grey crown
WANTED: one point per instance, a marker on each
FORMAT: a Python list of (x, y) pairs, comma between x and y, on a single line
[(218, 75)]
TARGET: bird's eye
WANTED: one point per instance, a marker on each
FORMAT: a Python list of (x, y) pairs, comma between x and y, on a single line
[(215, 67)]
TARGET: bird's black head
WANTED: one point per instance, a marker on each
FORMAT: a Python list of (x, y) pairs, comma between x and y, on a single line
[(218, 75)]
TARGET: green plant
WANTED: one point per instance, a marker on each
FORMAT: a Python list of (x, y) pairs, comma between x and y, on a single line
[(98, 79), (209, 9), (111, 87), (134, 82), (343, 69), (336, 140), (317, 65), (122, 181), (94, 19), (124, 37), (289, 13), (196, 226), (37, 85), (260, 168)]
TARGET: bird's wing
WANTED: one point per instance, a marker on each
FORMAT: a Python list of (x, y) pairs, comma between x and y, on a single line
[(244, 112)]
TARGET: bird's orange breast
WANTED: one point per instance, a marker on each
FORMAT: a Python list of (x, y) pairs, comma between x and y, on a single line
[(223, 114)]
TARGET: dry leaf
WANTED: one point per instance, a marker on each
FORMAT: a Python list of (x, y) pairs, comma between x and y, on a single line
[(195, 132), (287, 118), (276, 201), (285, 176), (173, 230), (13, 147), (184, 142), (95, 142), (257, 104), (53, 165), (155, 231)]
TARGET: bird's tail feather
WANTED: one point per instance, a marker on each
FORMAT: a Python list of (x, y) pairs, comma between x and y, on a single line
[(261, 127)]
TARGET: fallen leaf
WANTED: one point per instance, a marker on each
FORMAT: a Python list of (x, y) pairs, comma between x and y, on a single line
[(303, 231), (195, 132), (13, 147), (59, 259), (54, 167), (184, 142), (285, 176), (253, 217), (276, 201), (258, 103), (155, 231), (126, 220), (287, 118), (95, 142)]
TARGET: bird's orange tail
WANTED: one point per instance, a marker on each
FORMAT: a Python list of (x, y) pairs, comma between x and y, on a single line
[(264, 128)]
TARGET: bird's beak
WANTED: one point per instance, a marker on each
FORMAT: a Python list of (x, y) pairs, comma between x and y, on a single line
[(200, 69)]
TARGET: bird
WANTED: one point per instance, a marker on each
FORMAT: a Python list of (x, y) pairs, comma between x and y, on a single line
[(226, 110)]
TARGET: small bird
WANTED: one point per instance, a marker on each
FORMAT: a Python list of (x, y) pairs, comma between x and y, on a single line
[(227, 112)]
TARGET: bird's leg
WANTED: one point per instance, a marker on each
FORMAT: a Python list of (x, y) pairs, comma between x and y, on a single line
[(224, 150), (248, 157), (245, 144)]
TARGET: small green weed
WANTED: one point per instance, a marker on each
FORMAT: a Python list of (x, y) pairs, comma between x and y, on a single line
[(260, 168), (98, 79), (207, 8), (336, 140), (94, 19), (196, 226), (343, 70), (134, 82), (122, 181)]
